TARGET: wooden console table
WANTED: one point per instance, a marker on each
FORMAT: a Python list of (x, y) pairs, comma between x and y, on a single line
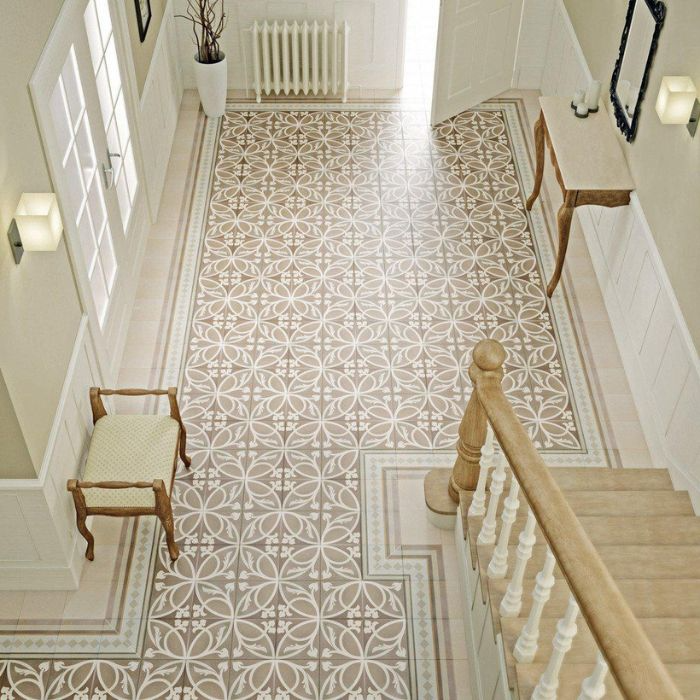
[(588, 162)]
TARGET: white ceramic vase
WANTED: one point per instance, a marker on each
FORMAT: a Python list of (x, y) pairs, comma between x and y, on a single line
[(211, 85)]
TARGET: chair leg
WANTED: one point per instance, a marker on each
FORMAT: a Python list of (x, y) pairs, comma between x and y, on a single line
[(81, 517), (187, 461), (83, 530), (165, 514), (169, 528)]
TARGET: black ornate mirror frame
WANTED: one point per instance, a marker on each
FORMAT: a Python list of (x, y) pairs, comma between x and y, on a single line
[(658, 12)]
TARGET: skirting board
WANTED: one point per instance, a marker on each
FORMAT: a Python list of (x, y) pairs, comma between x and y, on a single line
[(659, 356)]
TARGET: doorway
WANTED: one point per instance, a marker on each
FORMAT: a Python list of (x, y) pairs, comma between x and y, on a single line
[(422, 19), (474, 48), (85, 121)]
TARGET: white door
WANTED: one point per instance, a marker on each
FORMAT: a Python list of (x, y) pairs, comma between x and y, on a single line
[(477, 40), (81, 107)]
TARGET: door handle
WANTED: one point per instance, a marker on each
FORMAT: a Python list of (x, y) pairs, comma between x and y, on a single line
[(108, 169)]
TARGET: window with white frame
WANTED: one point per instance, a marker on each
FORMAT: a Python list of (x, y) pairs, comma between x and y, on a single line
[(84, 186), (98, 25)]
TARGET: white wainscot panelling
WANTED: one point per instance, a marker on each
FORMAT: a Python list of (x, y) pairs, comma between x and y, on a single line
[(158, 110), (44, 550), (377, 29), (660, 358)]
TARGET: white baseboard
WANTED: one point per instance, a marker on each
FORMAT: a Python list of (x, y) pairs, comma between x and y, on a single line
[(660, 359)]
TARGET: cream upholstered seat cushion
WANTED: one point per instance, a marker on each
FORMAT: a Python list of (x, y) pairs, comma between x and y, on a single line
[(130, 448)]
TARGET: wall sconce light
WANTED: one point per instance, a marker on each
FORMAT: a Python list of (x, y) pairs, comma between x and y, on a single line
[(37, 225), (677, 102)]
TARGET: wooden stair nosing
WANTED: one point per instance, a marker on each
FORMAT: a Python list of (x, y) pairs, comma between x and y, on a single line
[(604, 479)]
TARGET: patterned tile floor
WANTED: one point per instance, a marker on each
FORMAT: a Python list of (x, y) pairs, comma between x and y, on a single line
[(350, 261)]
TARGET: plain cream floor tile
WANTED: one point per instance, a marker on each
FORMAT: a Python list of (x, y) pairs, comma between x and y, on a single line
[(636, 458), (145, 333), (107, 531), (11, 606), (148, 310), (627, 435), (154, 287), (621, 406), (43, 605)]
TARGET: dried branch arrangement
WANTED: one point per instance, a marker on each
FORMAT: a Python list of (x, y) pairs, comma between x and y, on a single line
[(206, 27)]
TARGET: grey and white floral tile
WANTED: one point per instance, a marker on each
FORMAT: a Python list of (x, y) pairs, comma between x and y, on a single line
[(339, 268)]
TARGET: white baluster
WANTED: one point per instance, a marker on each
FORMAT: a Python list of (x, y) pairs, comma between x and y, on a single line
[(593, 687), (477, 509), (487, 535), (513, 599), (498, 566), (566, 631), (526, 646)]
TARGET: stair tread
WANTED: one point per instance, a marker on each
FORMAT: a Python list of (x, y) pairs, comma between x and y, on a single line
[(622, 561), (603, 479), (675, 639), (625, 503), (685, 676), (646, 597), (624, 529)]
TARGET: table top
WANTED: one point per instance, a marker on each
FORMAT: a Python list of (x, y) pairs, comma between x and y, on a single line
[(588, 152)]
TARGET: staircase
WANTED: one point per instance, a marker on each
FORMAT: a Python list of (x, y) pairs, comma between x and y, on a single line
[(648, 538), (577, 583)]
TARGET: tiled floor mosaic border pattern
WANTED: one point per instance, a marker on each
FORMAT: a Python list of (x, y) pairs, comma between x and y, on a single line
[(350, 261)]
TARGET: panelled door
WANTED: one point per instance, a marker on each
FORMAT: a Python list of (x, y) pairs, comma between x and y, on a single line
[(477, 41), (81, 107)]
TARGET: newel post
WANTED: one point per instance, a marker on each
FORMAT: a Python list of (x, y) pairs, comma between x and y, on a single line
[(443, 487)]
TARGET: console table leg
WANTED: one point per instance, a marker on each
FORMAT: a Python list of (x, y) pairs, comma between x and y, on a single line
[(566, 212), (539, 170)]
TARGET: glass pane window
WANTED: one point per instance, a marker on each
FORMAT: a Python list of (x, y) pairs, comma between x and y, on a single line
[(98, 25), (85, 196)]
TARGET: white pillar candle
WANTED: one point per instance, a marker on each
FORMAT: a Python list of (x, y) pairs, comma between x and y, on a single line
[(623, 88), (579, 96), (593, 96), (582, 110)]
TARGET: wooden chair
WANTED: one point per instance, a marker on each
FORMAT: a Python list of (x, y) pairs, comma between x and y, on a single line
[(130, 461)]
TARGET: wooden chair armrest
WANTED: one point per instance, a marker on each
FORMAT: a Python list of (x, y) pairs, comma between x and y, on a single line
[(75, 484), (98, 408)]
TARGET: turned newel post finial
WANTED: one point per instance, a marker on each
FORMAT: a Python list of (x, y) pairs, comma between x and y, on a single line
[(443, 486), (487, 360), (489, 355)]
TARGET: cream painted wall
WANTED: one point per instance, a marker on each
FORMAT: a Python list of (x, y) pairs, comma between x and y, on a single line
[(143, 53), (39, 305), (377, 33), (664, 160), (15, 462)]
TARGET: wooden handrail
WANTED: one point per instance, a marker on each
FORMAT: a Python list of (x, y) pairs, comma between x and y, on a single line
[(633, 661)]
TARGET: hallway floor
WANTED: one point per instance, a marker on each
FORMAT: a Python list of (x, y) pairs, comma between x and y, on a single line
[(315, 285)]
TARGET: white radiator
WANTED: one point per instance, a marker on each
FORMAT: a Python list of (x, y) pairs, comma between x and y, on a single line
[(300, 57)]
